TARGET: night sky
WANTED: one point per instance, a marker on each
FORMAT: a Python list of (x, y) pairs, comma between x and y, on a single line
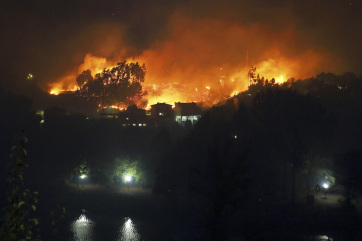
[(51, 38)]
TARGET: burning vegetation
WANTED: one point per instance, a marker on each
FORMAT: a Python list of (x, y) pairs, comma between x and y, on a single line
[(119, 84), (123, 84), (201, 59), (206, 63)]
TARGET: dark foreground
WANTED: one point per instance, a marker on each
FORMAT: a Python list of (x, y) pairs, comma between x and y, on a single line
[(97, 213)]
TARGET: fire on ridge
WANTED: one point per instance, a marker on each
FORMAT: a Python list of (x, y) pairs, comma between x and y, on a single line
[(209, 92)]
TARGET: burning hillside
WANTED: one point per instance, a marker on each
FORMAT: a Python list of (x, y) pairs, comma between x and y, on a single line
[(150, 90), (206, 61)]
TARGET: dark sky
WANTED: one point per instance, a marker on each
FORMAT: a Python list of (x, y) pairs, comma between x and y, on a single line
[(50, 38)]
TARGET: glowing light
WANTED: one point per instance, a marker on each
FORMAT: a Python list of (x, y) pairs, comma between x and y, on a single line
[(83, 176), (325, 185), (120, 106), (82, 228), (128, 232), (58, 89), (234, 93), (279, 80), (176, 89), (54, 92), (127, 178), (323, 238)]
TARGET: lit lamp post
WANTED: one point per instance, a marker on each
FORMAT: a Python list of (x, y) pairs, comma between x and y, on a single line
[(128, 179), (82, 177), (325, 186)]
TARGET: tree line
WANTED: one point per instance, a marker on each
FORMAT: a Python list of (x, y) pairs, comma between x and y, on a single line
[(119, 84)]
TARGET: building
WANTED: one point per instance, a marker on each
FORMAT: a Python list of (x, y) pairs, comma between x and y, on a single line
[(161, 113), (133, 116), (109, 112), (185, 112)]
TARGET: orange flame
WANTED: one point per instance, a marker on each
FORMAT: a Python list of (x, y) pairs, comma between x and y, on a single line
[(205, 62), (280, 69)]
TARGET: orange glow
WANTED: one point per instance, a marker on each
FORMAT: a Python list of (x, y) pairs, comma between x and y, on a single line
[(66, 83), (207, 62), (234, 93), (119, 107), (227, 85), (95, 64), (55, 92)]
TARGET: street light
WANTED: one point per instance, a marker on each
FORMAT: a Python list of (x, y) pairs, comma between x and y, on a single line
[(82, 177), (128, 179), (325, 186)]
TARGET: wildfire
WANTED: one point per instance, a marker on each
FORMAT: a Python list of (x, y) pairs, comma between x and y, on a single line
[(171, 91), (61, 87), (208, 61), (234, 93), (118, 107), (279, 80)]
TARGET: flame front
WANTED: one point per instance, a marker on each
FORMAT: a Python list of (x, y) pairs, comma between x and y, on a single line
[(228, 85), (205, 62)]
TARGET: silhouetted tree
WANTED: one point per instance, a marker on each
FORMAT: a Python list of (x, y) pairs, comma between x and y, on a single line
[(287, 124), (121, 83), (84, 77), (349, 168), (18, 222)]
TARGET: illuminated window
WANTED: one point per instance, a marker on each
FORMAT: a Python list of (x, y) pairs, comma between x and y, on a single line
[(144, 124), (134, 124), (161, 113), (139, 124), (178, 118), (123, 124), (184, 118)]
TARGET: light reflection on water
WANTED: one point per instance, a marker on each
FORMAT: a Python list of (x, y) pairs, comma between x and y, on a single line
[(82, 228), (322, 238), (128, 232)]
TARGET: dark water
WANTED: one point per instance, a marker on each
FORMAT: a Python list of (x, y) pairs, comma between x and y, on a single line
[(109, 215), (103, 216), (85, 229)]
